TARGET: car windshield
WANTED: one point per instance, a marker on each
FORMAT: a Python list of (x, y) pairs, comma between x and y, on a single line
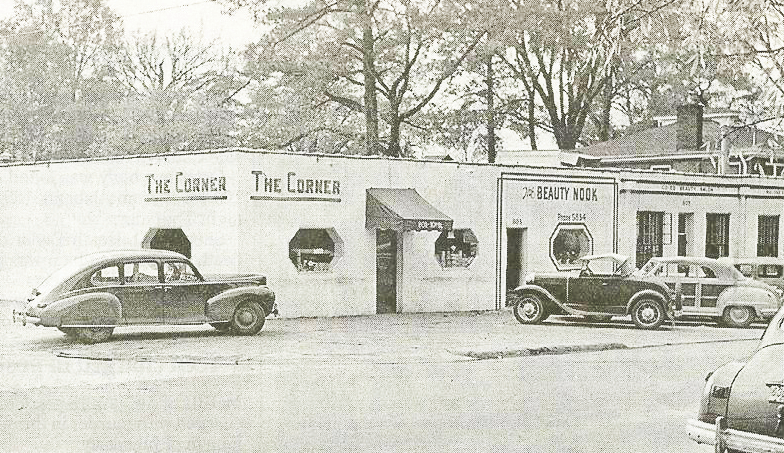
[(609, 265), (61, 275)]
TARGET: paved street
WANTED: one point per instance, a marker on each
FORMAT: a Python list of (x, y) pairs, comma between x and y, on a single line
[(393, 382)]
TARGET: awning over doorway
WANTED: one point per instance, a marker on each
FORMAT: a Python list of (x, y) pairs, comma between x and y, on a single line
[(402, 210)]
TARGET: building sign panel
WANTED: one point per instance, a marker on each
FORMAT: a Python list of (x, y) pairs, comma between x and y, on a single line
[(184, 186), (294, 187)]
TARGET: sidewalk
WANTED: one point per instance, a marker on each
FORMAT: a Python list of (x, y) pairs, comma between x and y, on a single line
[(389, 338)]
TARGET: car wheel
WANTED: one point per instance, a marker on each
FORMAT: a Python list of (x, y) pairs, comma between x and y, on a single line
[(647, 314), (248, 318), (738, 316), (221, 326), (93, 334), (529, 309)]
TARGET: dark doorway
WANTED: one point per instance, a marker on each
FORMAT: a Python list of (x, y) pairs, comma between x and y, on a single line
[(515, 256), (173, 239), (386, 271)]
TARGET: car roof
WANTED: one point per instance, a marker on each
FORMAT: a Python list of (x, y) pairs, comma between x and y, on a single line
[(613, 256), (111, 255), (754, 260), (699, 260)]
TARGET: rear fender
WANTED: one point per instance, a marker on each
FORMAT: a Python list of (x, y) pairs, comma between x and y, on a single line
[(716, 392), (94, 309), (745, 296), (221, 307)]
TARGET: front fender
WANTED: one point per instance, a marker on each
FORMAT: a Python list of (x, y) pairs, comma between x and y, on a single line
[(93, 309), (761, 300), (648, 293), (716, 392), (221, 307), (554, 304)]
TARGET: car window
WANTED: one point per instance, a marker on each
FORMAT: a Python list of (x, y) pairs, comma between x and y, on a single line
[(106, 277), (770, 270), (746, 269), (141, 272), (178, 271), (707, 272)]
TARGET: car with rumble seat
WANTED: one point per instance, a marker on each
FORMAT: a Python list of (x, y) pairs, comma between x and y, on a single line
[(742, 404), (605, 286), (714, 289), (91, 296)]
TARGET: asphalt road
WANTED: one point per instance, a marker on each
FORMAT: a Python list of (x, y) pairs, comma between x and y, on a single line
[(631, 400)]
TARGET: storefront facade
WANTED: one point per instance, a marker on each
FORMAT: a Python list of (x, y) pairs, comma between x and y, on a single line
[(341, 235)]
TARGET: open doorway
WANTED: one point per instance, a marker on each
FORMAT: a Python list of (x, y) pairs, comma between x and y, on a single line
[(173, 239), (386, 271), (516, 250)]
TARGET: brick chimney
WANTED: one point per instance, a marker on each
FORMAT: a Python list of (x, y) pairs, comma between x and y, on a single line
[(689, 132)]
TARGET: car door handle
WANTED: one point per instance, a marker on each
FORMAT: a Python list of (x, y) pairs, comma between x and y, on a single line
[(605, 283), (165, 288)]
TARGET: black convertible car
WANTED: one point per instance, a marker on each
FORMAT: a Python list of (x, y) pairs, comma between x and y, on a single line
[(605, 286)]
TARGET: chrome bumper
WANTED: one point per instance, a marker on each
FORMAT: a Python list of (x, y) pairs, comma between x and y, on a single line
[(22, 317), (723, 438)]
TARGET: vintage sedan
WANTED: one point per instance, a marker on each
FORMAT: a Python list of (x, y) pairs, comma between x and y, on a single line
[(92, 295), (605, 286), (714, 289), (742, 404)]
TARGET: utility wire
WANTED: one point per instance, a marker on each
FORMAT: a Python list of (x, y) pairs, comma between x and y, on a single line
[(32, 32)]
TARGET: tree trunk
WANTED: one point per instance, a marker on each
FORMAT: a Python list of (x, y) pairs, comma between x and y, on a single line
[(371, 103), (393, 150), (491, 152), (532, 119)]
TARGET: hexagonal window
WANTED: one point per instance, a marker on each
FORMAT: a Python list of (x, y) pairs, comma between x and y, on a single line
[(315, 249), (173, 239), (568, 243), (456, 248)]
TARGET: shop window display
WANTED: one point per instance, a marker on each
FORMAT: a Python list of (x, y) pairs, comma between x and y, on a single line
[(568, 243), (456, 248), (314, 249)]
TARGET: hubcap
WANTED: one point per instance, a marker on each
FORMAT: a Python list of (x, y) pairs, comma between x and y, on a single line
[(529, 309), (739, 314), (647, 314), (246, 317)]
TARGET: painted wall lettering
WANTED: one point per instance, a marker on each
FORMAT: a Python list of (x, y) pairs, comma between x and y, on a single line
[(561, 193), (294, 187), (182, 186)]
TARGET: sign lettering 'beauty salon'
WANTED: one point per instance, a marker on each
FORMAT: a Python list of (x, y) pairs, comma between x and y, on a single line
[(294, 187), (562, 193), (182, 186)]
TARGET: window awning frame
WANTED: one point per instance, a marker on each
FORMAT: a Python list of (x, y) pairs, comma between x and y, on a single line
[(402, 210)]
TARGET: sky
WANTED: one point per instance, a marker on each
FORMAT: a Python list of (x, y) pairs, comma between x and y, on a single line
[(170, 16)]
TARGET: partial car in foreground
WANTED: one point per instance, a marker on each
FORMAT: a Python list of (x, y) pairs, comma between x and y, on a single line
[(714, 289), (92, 295), (605, 286), (742, 404)]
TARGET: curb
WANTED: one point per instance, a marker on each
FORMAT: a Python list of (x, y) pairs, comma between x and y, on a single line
[(542, 350)]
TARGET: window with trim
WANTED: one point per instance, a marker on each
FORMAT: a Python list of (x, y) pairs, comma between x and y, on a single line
[(768, 235), (770, 271), (653, 231), (314, 249), (717, 235), (179, 272), (107, 276), (456, 248), (141, 272)]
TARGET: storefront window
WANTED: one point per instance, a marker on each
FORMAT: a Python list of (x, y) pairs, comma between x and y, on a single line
[(650, 235), (717, 235), (768, 235), (568, 243), (314, 249), (456, 248)]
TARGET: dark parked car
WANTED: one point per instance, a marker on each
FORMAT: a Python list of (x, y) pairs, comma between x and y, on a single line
[(606, 286), (92, 295), (742, 404)]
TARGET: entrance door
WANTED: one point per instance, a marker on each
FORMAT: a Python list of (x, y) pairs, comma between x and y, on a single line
[(386, 271), (516, 248)]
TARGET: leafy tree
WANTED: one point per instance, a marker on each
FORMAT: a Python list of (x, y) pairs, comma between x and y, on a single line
[(53, 96)]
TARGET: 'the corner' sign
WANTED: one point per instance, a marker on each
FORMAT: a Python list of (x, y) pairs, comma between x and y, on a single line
[(294, 187), (182, 186)]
